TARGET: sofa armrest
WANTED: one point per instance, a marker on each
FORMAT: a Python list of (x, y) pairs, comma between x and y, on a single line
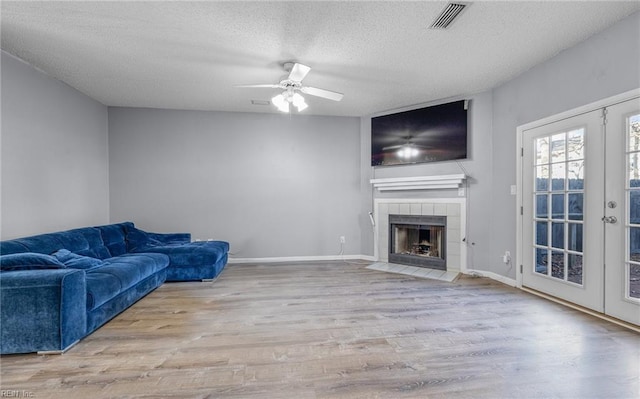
[(42, 310)]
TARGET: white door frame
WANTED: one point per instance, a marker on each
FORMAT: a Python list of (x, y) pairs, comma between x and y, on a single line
[(519, 145)]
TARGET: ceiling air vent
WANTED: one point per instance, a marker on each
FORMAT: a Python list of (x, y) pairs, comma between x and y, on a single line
[(448, 15)]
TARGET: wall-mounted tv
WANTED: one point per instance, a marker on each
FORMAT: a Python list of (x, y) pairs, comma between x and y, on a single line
[(430, 134)]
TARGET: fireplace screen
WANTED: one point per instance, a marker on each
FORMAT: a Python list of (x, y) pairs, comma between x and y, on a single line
[(418, 240)]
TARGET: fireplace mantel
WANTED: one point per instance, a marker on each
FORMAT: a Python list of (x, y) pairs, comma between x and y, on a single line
[(419, 182)]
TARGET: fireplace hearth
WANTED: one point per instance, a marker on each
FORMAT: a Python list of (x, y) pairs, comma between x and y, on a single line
[(418, 240)]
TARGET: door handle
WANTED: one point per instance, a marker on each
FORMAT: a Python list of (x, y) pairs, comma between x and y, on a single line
[(610, 219)]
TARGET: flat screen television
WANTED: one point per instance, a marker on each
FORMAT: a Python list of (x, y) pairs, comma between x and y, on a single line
[(430, 134)]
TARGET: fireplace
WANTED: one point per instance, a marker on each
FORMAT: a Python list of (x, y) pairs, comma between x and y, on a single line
[(454, 210), (418, 240)]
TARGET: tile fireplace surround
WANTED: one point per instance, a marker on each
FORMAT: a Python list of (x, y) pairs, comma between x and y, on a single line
[(453, 208)]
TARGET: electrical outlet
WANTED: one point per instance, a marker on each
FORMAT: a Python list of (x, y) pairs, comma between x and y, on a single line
[(343, 239), (506, 258)]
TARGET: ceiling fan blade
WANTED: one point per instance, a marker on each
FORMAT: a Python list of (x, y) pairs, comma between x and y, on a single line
[(329, 95), (393, 147), (298, 72), (268, 86)]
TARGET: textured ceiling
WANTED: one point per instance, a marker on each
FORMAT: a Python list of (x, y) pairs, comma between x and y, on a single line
[(381, 55)]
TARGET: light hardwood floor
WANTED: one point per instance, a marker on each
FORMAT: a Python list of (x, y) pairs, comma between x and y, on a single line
[(337, 330)]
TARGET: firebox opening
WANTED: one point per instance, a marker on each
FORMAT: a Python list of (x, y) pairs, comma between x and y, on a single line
[(418, 240)]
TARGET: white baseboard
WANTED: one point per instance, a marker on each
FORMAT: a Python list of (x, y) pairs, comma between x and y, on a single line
[(323, 258), (493, 276)]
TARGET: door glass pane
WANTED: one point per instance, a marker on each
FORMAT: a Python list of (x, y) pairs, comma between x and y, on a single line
[(634, 207), (575, 144), (557, 206), (634, 170), (557, 264), (542, 150), (575, 237), (542, 233), (558, 175), (575, 206), (575, 175), (542, 178), (542, 259), (575, 268), (558, 147), (634, 133), (542, 210), (634, 244), (634, 281), (557, 235)]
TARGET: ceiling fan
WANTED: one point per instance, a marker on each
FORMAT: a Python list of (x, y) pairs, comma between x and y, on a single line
[(292, 84)]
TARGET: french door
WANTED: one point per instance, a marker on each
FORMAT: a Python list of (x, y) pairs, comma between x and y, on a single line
[(622, 211), (581, 209)]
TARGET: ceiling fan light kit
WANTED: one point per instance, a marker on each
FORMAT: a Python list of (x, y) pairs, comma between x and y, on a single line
[(282, 101), (292, 85)]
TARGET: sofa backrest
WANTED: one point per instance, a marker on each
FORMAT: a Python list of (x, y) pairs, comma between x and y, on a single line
[(99, 242), (84, 241), (114, 237)]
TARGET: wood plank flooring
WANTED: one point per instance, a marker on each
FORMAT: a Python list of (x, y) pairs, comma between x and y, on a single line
[(337, 330)]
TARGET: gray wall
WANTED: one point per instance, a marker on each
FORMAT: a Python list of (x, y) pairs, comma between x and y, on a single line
[(604, 65), (272, 185), (54, 154)]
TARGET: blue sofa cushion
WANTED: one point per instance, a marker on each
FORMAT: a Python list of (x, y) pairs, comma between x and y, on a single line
[(138, 240), (193, 260), (84, 241), (29, 261), (196, 253), (76, 261), (113, 236), (12, 247), (119, 273)]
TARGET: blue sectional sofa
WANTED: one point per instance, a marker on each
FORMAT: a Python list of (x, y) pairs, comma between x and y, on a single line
[(59, 287)]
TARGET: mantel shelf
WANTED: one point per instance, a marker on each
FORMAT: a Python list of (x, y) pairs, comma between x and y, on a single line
[(419, 182)]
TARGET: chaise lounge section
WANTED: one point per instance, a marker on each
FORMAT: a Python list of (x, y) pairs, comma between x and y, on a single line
[(59, 287)]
